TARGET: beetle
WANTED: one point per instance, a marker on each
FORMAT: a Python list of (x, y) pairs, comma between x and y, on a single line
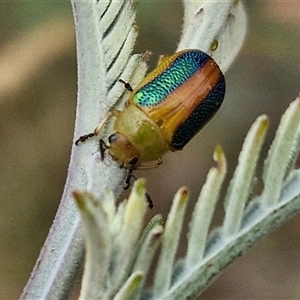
[(165, 111)]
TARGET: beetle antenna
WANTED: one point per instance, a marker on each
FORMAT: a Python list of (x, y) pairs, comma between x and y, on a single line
[(97, 130), (84, 138)]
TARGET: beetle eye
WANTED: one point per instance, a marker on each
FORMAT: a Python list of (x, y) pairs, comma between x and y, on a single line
[(112, 138), (134, 161)]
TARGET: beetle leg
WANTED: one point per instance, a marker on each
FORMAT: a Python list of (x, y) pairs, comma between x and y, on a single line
[(126, 85), (161, 58), (127, 182), (97, 130), (151, 165), (149, 200), (102, 147), (128, 179)]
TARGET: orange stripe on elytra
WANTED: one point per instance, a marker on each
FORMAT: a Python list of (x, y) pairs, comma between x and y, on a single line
[(176, 108)]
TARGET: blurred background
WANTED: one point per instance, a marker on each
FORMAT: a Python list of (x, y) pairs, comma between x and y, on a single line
[(37, 109)]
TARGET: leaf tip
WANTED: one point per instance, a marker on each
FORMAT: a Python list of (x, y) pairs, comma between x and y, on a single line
[(79, 199), (183, 194), (219, 158)]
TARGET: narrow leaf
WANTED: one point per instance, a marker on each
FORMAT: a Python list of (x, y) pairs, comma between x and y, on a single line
[(170, 241), (279, 154), (98, 246), (204, 210), (240, 185)]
